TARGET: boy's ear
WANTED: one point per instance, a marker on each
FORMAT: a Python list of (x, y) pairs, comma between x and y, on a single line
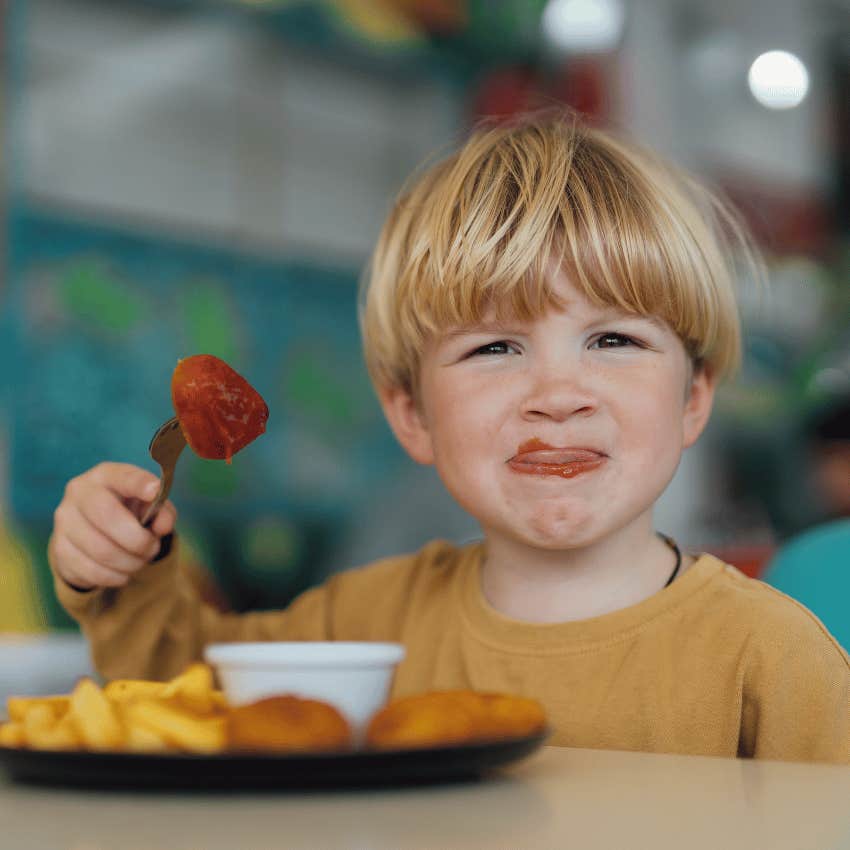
[(407, 423), (698, 404)]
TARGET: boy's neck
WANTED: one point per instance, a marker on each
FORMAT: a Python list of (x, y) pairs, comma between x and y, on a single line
[(543, 586)]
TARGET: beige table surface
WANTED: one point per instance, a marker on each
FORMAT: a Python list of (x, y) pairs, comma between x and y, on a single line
[(557, 798)]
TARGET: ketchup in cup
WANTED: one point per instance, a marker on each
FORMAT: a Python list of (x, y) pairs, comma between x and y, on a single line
[(218, 410)]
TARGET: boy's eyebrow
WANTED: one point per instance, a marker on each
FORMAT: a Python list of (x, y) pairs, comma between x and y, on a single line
[(620, 315), (483, 327), (608, 315)]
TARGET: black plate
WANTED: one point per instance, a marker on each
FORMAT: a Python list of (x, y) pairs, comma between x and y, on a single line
[(236, 771)]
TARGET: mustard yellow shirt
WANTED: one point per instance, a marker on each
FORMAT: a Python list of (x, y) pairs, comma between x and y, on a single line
[(715, 664)]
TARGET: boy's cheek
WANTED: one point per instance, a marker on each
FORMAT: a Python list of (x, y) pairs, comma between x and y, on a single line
[(654, 442), (459, 444)]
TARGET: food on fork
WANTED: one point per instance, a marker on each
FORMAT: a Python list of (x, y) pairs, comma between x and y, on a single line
[(218, 410), (287, 723), (438, 718)]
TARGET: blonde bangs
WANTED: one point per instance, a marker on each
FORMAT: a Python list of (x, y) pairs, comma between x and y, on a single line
[(477, 233), (645, 239)]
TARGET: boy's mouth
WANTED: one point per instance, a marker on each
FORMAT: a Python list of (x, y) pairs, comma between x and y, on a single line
[(535, 457)]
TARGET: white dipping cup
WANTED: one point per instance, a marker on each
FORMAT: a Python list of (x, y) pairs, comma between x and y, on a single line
[(354, 677)]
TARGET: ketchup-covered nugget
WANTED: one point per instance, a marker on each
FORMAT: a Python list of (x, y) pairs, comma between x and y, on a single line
[(218, 410)]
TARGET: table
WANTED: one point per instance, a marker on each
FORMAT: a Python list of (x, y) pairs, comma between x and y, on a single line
[(558, 798)]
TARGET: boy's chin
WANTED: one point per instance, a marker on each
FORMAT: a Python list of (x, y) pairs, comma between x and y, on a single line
[(551, 543), (547, 539)]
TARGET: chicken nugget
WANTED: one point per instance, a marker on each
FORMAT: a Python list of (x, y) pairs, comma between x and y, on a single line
[(441, 718), (508, 716), (287, 722), (425, 720)]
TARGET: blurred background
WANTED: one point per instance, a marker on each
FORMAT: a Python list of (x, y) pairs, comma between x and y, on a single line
[(187, 177)]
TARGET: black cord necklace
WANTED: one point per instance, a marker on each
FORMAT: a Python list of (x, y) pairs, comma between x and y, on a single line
[(678, 552)]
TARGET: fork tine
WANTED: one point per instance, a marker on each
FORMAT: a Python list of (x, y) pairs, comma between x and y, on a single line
[(170, 425)]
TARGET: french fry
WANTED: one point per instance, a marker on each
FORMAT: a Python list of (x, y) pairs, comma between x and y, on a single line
[(61, 735), (140, 739), (121, 690), (186, 713), (193, 688), (177, 726), (17, 707), (95, 718), (39, 719), (13, 734)]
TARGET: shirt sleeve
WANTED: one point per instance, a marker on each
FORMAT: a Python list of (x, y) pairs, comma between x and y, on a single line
[(157, 624), (796, 698)]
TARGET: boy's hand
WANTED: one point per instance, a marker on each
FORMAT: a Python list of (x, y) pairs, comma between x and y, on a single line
[(97, 539)]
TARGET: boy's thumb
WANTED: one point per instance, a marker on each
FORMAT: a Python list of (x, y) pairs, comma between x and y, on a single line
[(150, 490)]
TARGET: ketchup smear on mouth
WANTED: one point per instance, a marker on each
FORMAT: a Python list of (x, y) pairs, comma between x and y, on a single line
[(562, 470)]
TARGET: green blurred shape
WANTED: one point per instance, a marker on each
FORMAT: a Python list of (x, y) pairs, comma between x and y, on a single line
[(319, 392), (272, 545), (213, 478), (194, 545), (510, 25), (209, 317), (89, 292)]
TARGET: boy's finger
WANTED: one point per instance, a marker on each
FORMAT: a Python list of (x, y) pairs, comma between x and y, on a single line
[(103, 509), (102, 549), (165, 520), (126, 480), (80, 570)]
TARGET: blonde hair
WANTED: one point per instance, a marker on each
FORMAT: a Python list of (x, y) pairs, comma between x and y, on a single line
[(477, 231)]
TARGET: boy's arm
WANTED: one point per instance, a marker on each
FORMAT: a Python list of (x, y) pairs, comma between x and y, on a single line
[(157, 624), (797, 696)]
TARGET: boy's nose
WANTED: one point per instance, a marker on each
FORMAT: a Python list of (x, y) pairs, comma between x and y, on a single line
[(558, 397)]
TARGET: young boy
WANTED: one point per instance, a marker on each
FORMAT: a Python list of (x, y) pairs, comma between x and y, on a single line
[(547, 315)]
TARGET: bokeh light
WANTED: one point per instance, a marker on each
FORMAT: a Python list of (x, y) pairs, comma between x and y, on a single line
[(576, 26), (778, 80)]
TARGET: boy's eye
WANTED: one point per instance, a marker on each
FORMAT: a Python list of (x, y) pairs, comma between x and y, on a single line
[(499, 347), (614, 340)]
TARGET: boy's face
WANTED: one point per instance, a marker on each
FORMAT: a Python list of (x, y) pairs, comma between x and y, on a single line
[(557, 432)]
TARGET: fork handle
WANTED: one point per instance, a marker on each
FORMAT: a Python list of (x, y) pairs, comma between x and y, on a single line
[(164, 488)]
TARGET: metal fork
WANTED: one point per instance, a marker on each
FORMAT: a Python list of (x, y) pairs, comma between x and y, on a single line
[(165, 448)]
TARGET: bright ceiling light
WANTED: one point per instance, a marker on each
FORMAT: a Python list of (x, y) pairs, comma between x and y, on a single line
[(778, 80), (575, 26)]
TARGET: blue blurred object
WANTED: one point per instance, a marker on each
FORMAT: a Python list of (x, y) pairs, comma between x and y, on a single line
[(96, 318), (814, 569)]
